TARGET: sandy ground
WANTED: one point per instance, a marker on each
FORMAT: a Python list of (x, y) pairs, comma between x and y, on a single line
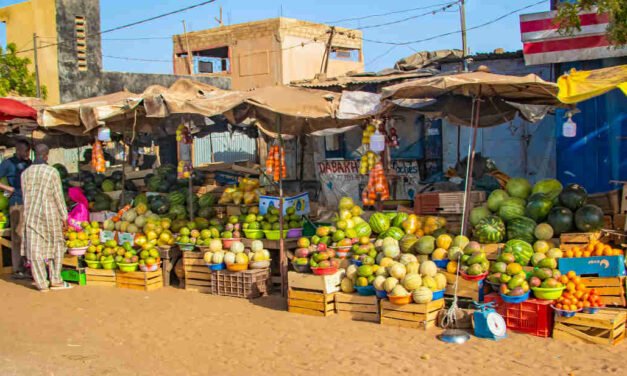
[(109, 331)]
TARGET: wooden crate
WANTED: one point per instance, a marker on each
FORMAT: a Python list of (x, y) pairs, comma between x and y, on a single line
[(611, 290), (357, 307), (197, 274), (606, 327), (247, 284), (71, 261), (415, 316), (142, 281), (445, 202), (326, 284), (100, 277), (577, 239), (309, 302), (474, 290)]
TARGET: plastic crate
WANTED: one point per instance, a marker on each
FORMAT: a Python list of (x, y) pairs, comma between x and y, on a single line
[(533, 316), (248, 284)]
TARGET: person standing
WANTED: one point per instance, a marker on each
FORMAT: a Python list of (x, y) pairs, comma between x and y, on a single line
[(45, 217), (12, 169)]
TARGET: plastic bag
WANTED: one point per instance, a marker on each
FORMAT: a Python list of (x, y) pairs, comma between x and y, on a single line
[(80, 213)]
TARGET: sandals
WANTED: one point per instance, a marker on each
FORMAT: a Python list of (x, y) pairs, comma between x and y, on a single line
[(63, 286)]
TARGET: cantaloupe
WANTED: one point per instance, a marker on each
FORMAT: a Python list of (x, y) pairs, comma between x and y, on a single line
[(422, 295)]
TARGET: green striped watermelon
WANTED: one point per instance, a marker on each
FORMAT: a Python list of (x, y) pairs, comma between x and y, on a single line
[(521, 228), (511, 208), (395, 232), (490, 230), (521, 250), (379, 223)]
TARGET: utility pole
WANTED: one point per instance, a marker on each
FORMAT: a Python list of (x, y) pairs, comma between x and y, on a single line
[(327, 52), (219, 20), (462, 16), (38, 86), (190, 61)]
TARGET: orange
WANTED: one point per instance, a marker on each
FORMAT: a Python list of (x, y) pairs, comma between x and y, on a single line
[(579, 294), (576, 279), (586, 304), (607, 252), (598, 252), (573, 307), (599, 245), (571, 274), (558, 306), (590, 247), (563, 280), (580, 305), (578, 254), (587, 254), (566, 302), (571, 287), (570, 253)]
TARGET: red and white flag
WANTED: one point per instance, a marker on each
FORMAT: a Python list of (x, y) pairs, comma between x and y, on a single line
[(543, 44)]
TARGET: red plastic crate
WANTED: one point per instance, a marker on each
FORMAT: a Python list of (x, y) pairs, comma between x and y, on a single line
[(533, 316)]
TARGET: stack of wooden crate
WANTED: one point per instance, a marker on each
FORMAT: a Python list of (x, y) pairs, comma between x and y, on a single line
[(313, 295)]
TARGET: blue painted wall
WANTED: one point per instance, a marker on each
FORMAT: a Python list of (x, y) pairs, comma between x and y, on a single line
[(598, 153)]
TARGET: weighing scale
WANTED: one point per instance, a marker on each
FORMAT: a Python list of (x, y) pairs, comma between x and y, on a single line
[(488, 323)]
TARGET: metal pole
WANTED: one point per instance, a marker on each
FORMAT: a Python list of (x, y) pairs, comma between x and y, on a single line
[(190, 61), (36, 62), (471, 162), (282, 256), (462, 16)]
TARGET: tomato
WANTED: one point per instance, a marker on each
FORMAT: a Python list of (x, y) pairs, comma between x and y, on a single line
[(592, 291)]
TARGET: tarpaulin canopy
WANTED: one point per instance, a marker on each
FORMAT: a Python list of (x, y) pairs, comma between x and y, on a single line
[(529, 89), (577, 86), (11, 109)]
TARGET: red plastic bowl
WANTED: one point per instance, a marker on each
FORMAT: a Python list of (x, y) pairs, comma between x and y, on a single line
[(324, 271), (469, 277)]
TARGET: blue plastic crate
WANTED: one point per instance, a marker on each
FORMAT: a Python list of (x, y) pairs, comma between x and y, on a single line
[(599, 266)]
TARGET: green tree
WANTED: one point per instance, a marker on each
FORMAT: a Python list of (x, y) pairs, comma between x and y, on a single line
[(15, 79), (617, 9)]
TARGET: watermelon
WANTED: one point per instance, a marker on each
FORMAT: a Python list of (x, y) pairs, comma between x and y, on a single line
[(490, 230), (521, 250), (573, 197), (518, 187), (206, 212), (399, 219), (207, 200), (395, 232), (154, 183), (407, 243), (379, 223), (511, 208), (561, 219), (108, 185), (362, 229), (521, 228), (496, 198), (589, 218), (101, 205), (141, 199), (176, 198), (478, 213), (538, 206), (550, 187), (160, 205)]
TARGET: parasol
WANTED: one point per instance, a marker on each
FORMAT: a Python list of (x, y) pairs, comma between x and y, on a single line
[(12, 109)]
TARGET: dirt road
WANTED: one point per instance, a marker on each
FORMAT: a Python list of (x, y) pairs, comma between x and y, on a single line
[(109, 331)]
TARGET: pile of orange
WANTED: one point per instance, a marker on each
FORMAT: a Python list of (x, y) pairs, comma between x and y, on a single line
[(594, 248), (576, 295)]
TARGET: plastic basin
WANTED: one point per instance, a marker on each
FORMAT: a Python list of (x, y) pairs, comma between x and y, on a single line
[(441, 263), (381, 294), (108, 265), (93, 264), (438, 294), (565, 313), (547, 293), (215, 267), (128, 267), (324, 271), (186, 246), (151, 268), (515, 299), (301, 268), (295, 233), (275, 234), (237, 267), (77, 251), (469, 277), (264, 264), (226, 243), (366, 290), (253, 234), (400, 300)]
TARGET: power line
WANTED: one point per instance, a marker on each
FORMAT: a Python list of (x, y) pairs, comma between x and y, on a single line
[(432, 12), (380, 56), (138, 38), (386, 14), (134, 23), (137, 59), (453, 32)]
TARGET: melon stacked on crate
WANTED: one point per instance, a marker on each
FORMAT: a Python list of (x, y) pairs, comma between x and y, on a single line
[(313, 295), (601, 266)]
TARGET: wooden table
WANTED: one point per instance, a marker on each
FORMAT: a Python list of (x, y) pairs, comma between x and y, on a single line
[(274, 246), (5, 243)]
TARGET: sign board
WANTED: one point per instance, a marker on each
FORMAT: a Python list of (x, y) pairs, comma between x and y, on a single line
[(126, 237), (299, 202), (342, 179), (106, 236)]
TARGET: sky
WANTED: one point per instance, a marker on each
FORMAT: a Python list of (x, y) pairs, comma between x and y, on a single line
[(119, 49)]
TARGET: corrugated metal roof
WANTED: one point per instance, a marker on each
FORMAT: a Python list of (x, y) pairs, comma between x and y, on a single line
[(226, 147), (344, 81)]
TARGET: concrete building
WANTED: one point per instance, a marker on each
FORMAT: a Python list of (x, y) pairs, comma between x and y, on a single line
[(268, 52), (69, 50)]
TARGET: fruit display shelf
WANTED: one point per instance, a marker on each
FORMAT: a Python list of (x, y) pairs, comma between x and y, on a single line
[(309, 302), (606, 327), (197, 274), (356, 307), (414, 316)]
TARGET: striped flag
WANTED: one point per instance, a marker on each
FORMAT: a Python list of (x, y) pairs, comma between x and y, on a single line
[(543, 44)]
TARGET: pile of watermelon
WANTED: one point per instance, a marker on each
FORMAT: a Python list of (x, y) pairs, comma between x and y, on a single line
[(539, 212)]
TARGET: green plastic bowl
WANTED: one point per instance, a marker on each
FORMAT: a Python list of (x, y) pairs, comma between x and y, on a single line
[(253, 234), (128, 267), (547, 293), (275, 234), (109, 265), (93, 264)]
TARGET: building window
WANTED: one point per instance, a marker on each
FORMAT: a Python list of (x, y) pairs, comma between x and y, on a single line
[(345, 54), (215, 60), (80, 29)]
